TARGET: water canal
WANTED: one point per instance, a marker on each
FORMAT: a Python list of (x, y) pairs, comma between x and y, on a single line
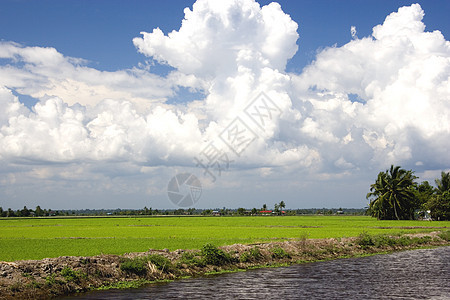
[(416, 274)]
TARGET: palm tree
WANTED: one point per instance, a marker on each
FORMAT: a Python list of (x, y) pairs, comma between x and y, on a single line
[(392, 194), (277, 208), (282, 205), (443, 184)]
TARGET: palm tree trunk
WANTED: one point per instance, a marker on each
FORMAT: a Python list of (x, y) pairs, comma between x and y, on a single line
[(395, 211)]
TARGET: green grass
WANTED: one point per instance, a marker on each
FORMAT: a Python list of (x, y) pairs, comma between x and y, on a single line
[(37, 238)]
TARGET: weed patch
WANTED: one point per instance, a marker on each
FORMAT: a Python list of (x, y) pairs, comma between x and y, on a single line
[(161, 262), (365, 240), (134, 266), (251, 255), (279, 253), (71, 275), (445, 235), (214, 256), (190, 259)]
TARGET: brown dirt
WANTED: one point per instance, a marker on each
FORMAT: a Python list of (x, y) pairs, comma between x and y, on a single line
[(42, 279)]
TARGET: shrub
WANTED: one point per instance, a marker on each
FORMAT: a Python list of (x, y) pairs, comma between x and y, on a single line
[(279, 253), (138, 265), (50, 279), (365, 240), (423, 240), (71, 275), (251, 255), (214, 256), (134, 265), (161, 262), (190, 259), (404, 241), (383, 240), (445, 235)]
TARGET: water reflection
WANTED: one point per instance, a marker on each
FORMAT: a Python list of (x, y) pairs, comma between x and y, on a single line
[(418, 274)]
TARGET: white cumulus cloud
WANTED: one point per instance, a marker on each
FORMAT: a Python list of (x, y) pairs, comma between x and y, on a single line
[(376, 100)]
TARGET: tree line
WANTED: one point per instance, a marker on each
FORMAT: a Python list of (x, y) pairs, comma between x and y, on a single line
[(264, 210), (396, 195)]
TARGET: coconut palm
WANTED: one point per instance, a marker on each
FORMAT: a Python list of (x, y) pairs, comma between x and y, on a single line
[(392, 194), (282, 205), (277, 208)]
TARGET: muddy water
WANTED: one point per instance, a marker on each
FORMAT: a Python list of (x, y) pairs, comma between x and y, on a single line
[(416, 274)]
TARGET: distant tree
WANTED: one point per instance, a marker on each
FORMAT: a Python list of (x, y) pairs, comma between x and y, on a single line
[(25, 212), (264, 207), (241, 211), (282, 205), (207, 212), (392, 196), (10, 213), (179, 211), (224, 211), (1, 212), (276, 208), (147, 211), (423, 193), (38, 211), (439, 206), (254, 211), (443, 184)]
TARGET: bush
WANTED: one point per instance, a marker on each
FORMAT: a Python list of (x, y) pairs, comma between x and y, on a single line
[(251, 255), (422, 240), (50, 279), (134, 266), (383, 240), (190, 259), (214, 256), (365, 240), (71, 275), (161, 262), (445, 235), (138, 265), (404, 241), (279, 253)]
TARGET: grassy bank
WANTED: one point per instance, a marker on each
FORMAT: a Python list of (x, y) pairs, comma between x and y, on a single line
[(38, 238), (65, 275)]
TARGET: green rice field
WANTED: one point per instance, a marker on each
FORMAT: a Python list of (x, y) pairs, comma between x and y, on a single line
[(37, 238)]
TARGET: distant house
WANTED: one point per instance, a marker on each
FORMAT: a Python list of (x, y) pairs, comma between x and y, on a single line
[(424, 215), (265, 212), (216, 213)]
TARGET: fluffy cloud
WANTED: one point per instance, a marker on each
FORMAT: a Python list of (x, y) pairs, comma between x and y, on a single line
[(218, 37), (110, 131), (374, 101), (44, 72), (401, 75)]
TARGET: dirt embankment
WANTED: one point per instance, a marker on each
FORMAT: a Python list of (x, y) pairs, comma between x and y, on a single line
[(51, 277)]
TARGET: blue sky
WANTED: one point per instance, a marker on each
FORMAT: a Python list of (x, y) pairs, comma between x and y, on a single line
[(111, 115), (101, 31)]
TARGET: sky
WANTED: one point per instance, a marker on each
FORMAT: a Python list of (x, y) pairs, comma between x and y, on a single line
[(114, 104)]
